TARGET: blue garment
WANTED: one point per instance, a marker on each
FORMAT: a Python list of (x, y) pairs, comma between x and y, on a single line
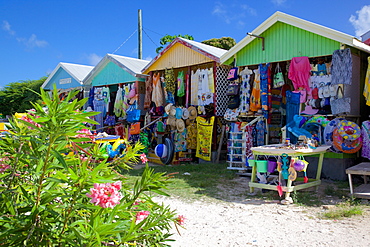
[(100, 106), (90, 101), (264, 89), (292, 108)]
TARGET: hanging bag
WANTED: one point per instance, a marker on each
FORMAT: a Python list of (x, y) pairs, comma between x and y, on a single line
[(278, 77), (233, 74), (234, 102), (340, 104), (233, 89), (133, 114), (135, 128)]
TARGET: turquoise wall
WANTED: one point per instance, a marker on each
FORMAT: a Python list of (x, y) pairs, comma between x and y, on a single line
[(113, 74)]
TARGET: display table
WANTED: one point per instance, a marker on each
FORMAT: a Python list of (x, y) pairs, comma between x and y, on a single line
[(277, 150), (363, 169)]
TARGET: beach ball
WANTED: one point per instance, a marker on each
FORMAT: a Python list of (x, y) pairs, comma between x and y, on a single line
[(161, 150)]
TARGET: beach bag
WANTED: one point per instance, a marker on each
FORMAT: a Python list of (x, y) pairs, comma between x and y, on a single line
[(233, 74), (135, 128), (234, 102), (340, 104), (278, 77), (133, 114), (233, 89)]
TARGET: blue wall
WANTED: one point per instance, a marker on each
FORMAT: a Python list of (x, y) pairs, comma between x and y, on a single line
[(62, 74)]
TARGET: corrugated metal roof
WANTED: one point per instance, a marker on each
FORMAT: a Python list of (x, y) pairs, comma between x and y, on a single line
[(300, 23), (77, 71), (211, 52), (131, 65)]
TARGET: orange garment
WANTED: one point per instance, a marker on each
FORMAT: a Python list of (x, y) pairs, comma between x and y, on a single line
[(255, 102)]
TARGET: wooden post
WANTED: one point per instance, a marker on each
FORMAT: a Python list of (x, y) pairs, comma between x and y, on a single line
[(220, 144)]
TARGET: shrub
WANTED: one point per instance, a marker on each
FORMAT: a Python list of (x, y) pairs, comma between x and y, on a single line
[(57, 189)]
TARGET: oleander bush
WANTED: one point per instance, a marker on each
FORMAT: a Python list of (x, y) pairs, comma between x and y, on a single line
[(58, 189)]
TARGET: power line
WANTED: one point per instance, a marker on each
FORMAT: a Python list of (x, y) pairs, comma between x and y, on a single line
[(125, 41), (150, 38), (154, 32)]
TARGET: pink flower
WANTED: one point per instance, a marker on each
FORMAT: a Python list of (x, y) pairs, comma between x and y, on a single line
[(4, 167), (27, 119), (143, 158), (180, 219), (142, 215), (84, 133), (106, 195)]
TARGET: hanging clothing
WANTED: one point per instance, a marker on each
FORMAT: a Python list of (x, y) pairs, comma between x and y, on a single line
[(99, 106), (106, 97), (148, 92), (90, 101), (204, 138), (170, 80), (299, 72), (366, 92), (180, 84), (255, 102), (194, 87), (157, 94), (211, 80), (180, 141), (118, 103), (245, 90), (264, 88), (341, 67), (365, 133), (192, 135), (292, 106), (259, 132)]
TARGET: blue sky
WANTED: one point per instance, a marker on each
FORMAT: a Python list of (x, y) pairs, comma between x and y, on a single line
[(36, 35)]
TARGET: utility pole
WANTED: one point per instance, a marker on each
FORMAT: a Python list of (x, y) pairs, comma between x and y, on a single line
[(140, 36)]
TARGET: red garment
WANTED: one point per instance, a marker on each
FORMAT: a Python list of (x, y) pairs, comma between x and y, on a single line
[(299, 72)]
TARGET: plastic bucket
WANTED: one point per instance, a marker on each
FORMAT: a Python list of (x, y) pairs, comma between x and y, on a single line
[(271, 165), (251, 163), (261, 165)]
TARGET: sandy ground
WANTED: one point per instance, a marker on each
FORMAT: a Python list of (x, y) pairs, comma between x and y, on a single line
[(254, 222)]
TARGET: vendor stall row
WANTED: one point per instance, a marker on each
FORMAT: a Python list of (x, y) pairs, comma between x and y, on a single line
[(264, 94)]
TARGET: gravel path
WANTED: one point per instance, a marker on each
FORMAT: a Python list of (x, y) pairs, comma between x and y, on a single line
[(238, 221), (255, 223)]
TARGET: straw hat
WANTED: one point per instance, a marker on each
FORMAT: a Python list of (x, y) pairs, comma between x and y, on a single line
[(185, 113), (172, 111), (180, 125), (167, 109), (192, 112), (171, 121)]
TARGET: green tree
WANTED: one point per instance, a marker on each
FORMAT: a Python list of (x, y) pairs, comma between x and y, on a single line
[(169, 38), (17, 96), (224, 43)]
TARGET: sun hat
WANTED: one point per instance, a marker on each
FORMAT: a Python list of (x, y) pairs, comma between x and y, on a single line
[(185, 113), (172, 111), (326, 91), (315, 93), (180, 125), (192, 112), (309, 110), (167, 109), (178, 113), (321, 92), (171, 121)]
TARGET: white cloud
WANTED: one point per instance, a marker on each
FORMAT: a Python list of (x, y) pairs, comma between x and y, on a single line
[(93, 59), (278, 2), (32, 41), (233, 13), (6, 27), (361, 21)]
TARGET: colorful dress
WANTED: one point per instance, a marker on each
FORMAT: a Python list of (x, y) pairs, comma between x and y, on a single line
[(180, 84), (157, 95), (245, 90), (366, 92), (204, 138), (255, 103), (264, 88), (341, 67)]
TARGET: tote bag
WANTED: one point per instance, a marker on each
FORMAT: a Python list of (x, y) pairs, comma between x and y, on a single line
[(133, 114), (278, 77), (340, 104)]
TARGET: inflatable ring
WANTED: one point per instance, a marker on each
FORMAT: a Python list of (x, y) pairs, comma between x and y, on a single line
[(329, 129), (170, 152), (346, 146), (349, 130), (321, 120)]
